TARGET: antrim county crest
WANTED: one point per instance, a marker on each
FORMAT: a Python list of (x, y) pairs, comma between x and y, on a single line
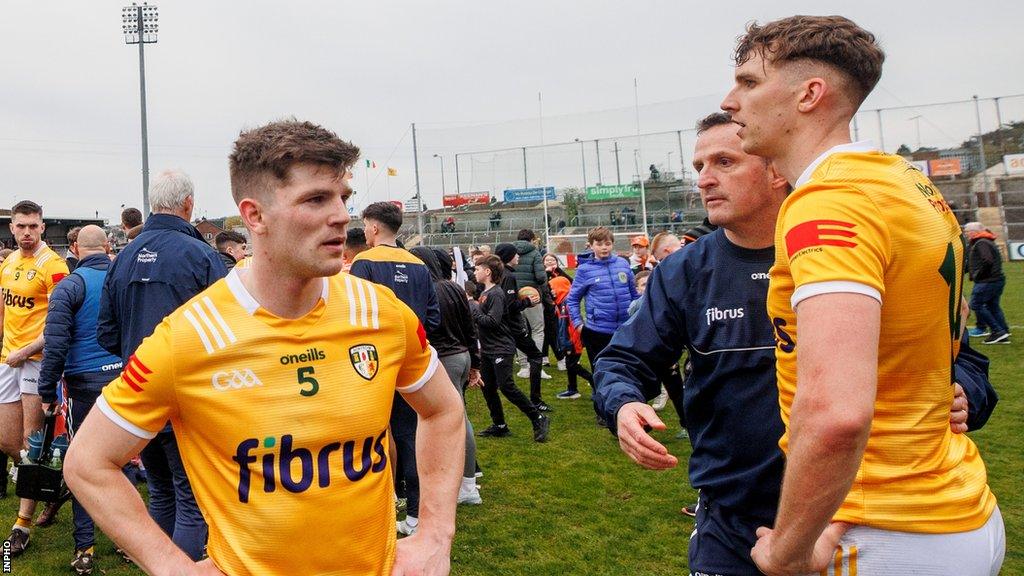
[(364, 360)]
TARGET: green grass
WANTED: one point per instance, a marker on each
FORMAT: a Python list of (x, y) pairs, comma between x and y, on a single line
[(577, 505)]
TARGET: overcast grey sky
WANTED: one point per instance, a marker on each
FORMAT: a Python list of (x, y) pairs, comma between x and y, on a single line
[(69, 110)]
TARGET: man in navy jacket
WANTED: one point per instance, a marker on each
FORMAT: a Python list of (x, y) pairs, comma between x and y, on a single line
[(71, 351), (165, 266)]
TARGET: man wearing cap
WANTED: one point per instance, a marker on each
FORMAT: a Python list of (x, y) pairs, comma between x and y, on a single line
[(985, 269), (640, 259)]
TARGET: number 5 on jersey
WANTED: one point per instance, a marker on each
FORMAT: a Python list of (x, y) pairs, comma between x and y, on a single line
[(305, 375)]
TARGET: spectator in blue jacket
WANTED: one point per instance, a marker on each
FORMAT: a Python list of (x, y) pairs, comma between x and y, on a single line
[(607, 284), (71, 351), (161, 269)]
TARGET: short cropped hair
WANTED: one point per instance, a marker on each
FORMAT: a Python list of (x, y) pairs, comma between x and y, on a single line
[(386, 213), (355, 239), (496, 266), (27, 207), (832, 40), (600, 233), (170, 190), (131, 217), (659, 239), (264, 155), (226, 237), (73, 235), (641, 275), (711, 120), (526, 234)]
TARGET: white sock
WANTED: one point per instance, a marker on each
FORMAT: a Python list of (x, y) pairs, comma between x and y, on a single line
[(412, 521), (468, 485)]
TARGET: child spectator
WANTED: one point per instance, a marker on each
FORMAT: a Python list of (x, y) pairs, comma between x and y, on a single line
[(640, 259), (568, 340), (664, 243), (497, 347), (553, 269)]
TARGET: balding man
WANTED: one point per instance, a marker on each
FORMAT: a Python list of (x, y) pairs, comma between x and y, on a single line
[(71, 351)]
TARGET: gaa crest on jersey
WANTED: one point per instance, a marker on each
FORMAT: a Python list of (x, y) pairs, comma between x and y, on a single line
[(364, 360), (30, 275)]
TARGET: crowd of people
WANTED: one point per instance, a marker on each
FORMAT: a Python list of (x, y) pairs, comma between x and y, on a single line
[(303, 384)]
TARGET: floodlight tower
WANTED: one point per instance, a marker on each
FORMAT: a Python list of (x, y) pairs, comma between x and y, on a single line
[(139, 24)]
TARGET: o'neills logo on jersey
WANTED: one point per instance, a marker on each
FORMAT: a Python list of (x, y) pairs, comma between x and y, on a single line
[(311, 355), (364, 360), (277, 463), (10, 299)]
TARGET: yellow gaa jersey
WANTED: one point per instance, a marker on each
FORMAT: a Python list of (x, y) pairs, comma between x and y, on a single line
[(26, 284), (860, 221), (282, 424)]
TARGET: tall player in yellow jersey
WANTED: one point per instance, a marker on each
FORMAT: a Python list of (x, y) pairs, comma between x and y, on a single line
[(864, 296), (279, 380), (27, 277)]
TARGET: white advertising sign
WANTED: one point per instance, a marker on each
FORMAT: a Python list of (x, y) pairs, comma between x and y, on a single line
[(1016, 250), (1014, 163)]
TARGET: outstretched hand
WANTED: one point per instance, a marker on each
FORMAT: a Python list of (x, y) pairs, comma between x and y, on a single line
[(637, 443)]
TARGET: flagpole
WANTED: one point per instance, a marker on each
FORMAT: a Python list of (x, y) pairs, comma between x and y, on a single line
[(543, 189), (419, 198), (639, 157)]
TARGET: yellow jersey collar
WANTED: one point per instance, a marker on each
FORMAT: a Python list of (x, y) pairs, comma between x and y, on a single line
[(861, 146)]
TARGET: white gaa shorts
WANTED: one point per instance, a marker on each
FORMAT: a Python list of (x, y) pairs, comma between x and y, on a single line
[(17, 381), (869, 552)]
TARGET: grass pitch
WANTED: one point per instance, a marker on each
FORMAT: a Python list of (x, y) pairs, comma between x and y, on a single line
[(577, 505)]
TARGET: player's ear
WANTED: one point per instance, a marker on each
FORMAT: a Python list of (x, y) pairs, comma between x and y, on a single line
[(252, 213), (813, 84)]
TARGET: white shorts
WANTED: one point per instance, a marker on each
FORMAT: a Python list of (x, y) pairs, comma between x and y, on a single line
[(869, 551), (17, 381)]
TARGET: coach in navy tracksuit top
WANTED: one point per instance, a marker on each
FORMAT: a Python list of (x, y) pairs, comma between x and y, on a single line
[(709, 299)]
